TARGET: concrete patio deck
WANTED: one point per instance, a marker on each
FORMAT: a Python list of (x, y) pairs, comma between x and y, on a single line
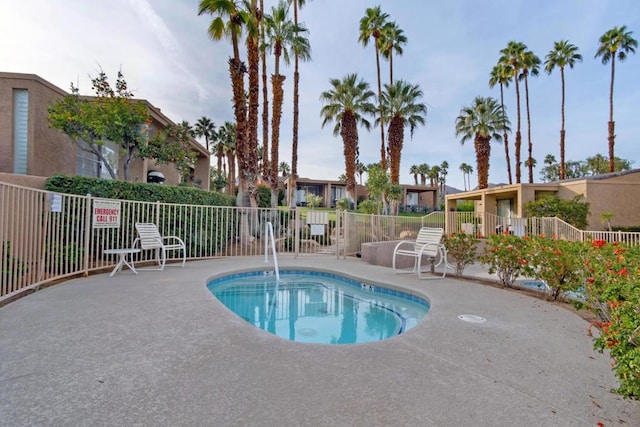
[(157, 349)]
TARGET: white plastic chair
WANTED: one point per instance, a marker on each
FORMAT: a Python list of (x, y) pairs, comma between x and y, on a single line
[(149, 238), (428, 244)]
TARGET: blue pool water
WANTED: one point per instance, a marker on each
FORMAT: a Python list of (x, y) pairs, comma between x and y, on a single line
[(318, 307)]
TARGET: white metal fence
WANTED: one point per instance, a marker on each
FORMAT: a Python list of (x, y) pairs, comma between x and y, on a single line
[(47, 236)]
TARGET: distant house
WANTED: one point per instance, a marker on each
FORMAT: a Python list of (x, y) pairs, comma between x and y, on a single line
[(414, 197), (617, 192), (28, 146)]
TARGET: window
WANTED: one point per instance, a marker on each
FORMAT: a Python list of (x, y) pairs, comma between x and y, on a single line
[(20, 130)]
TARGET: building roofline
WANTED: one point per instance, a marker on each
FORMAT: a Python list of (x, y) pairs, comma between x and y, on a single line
[(153, 110)]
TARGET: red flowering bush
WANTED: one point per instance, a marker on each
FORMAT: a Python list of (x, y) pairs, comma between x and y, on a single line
[(612, 282), (559, 263), (508, 256)]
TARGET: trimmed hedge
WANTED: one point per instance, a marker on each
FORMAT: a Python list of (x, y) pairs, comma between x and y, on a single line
[(144, 192)]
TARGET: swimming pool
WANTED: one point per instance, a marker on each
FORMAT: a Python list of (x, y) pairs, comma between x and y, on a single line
[(318, 307)]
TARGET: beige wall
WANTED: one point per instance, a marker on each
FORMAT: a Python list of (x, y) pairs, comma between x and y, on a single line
[(50, 152), (620, 198)]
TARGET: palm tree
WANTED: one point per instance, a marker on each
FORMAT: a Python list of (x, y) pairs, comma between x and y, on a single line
[(482, 121), (205, 128), (347, 103), (371, 25), (227, 22), (305, 56), (563, 54), (400, 108), (227, 137), (284, 169), (424, 170), (444, 170), (501, 74), (434, 175), (218, 147), (512, 55), (265, 97), (282, 35), (361, 168), (391, 40), (530, 66), (616, 41), (466, 169), (252, 21), (415, 171)]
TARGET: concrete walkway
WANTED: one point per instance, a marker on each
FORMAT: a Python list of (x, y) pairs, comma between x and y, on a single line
[(157, 349)]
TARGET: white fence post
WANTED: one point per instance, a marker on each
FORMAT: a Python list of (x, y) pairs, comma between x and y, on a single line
[(87, 233)]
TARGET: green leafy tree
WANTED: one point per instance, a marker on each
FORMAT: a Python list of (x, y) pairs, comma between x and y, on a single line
[(377, 183), (563, 54), (617, 42), (481, 121), (110, 116), (574, 211), (347, 103), (172, 146)]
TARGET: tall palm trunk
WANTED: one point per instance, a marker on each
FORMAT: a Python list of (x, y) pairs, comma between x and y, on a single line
[(562, 133), (253, 56), (396, 136), (505, 136), (296, 113), (518, 143), (265, 103), (530, 144), (232, 172), (383, 151), (277, 81), (611, 124), (483, 152), (349, 134)]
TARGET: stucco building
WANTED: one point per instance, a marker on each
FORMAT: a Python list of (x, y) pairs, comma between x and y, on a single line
[(618, 193), (28, 146)]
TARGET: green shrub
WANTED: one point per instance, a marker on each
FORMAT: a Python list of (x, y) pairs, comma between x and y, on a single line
[(573, 211), (461, 249), (144, 192)]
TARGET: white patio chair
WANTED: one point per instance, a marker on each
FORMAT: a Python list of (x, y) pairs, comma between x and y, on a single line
[(428, 244), (149, 238)]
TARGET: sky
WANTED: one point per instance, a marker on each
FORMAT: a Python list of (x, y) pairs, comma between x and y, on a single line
[(166, 56)]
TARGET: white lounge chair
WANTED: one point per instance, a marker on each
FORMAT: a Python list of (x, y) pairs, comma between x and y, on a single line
[(428, 244), (149, 238)]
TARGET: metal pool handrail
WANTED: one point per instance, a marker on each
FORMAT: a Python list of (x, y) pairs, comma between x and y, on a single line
[(268, 232)]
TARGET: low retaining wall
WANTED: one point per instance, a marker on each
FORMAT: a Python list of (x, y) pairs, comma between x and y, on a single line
[(381, 253)]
